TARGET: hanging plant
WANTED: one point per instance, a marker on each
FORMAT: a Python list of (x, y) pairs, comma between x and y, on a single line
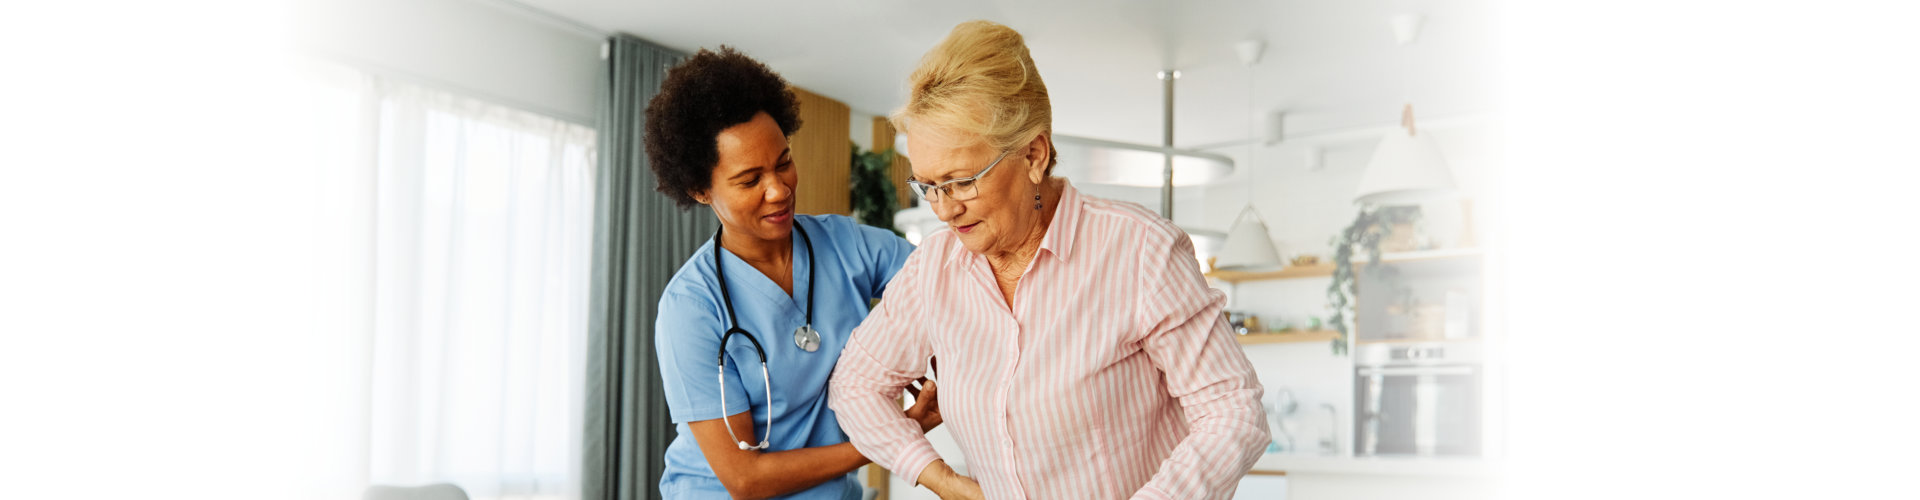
[(1369, 228), (872, 191)]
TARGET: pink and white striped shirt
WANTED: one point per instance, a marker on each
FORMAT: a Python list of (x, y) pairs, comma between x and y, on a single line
[(1113, 375)]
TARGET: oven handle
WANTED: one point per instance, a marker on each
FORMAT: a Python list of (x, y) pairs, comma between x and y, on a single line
[(1424, 370)]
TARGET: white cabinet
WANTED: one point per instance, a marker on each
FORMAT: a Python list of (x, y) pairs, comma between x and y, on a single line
[(1259, 486)]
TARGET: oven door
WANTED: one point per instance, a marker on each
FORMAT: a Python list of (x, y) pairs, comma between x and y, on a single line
[(1429, 410)]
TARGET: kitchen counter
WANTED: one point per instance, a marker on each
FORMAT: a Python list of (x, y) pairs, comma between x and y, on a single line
[(1391, 466)]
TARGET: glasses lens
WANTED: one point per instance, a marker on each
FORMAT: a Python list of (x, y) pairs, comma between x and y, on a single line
[(920, 190), (963, 190)]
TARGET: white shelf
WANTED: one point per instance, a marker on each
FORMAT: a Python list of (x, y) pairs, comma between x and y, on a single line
[(1419, 255), (1325, 268), (1292, 464)]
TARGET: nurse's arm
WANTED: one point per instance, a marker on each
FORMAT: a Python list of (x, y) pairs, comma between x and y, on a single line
[(753, 474)]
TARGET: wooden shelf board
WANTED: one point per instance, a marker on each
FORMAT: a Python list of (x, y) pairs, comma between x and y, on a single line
[(1286, 337), (1291, 272), (1325, 269), (1416, 341)]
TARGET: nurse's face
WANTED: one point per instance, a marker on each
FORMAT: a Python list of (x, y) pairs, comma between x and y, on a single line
[(752, 187)]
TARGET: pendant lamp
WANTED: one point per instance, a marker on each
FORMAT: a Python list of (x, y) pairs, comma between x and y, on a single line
[(1406, 168), (1249, 245)]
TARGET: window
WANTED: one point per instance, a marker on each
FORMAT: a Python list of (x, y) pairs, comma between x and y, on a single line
[(473, 223)]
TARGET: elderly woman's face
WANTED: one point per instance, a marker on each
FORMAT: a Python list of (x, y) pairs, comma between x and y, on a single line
[(752, 187), (1001, 217)]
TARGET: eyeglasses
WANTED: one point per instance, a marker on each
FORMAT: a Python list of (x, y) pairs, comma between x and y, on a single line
[(961, 189)]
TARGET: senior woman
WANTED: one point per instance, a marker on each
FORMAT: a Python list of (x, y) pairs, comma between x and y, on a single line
[(751, 326), (1081, 354)]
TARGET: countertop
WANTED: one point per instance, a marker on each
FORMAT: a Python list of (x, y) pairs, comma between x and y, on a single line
[(1293, 464)]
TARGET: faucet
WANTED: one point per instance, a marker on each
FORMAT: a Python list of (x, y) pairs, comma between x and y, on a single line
[(1328, 440), (1280, 405)]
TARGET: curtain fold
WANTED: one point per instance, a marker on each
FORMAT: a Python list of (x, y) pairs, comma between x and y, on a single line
[(480, 253), (640, 239), (450, 254)]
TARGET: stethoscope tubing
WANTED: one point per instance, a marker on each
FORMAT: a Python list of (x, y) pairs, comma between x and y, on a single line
[(733, 327)]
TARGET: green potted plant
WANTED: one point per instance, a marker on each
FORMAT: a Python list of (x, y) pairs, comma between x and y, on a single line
[(872, 193), (1373, 225)]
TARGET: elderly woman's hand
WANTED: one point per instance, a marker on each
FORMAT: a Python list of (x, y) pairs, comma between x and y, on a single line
[(926, 404), (948, 484)]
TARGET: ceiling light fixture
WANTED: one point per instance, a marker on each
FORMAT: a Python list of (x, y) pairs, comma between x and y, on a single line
[(1406, 167), (1249, 245), (1100, 161)]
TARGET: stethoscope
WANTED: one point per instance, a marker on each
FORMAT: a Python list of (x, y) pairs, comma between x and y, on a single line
[(805, 337)]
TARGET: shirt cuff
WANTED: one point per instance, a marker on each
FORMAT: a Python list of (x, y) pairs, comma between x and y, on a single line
[(915, 460), (1149, 492)]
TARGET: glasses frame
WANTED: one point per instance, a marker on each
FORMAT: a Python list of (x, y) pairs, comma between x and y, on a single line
[(924, 189)]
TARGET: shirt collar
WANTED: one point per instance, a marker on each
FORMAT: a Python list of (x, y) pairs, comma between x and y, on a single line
[(1065, 225)]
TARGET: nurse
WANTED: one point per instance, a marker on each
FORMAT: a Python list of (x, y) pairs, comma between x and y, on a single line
[(752, 325)]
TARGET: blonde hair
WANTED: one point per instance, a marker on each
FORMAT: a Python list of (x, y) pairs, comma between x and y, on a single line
[(980, 80)]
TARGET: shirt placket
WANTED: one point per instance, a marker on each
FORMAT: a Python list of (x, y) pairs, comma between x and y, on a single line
[(1008, 328), (1011, 346)]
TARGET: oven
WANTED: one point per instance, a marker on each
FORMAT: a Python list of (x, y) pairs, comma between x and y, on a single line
[(1417, 399)]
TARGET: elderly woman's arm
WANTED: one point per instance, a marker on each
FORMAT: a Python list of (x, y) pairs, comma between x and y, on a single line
[(1206, 370), (886, 352)]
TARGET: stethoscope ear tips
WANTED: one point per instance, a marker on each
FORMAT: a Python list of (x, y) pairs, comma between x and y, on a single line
[(743, 445)]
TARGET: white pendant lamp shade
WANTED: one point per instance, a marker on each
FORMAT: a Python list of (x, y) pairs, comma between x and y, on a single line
[(1099, 161), (1406, 169), (1248, 245)]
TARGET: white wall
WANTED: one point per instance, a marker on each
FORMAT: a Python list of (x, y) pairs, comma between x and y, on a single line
[(860, 127), (484, 49), (1304, 206), (1315, 377)]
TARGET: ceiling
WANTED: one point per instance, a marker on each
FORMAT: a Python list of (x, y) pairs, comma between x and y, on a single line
[(1329, 64)]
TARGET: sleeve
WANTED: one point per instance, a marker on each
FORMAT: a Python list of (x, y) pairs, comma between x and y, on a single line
[(686, 337), (886, 352), (888, 253), (1188, 340), (880, 254)]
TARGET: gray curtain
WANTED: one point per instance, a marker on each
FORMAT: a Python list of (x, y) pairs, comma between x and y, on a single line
[(640, 238)]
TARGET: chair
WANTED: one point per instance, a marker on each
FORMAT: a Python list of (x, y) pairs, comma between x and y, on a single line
[(442, 491)]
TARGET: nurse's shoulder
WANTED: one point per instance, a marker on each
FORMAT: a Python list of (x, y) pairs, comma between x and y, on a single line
[(691, 291), (871, 255), (834, 226)]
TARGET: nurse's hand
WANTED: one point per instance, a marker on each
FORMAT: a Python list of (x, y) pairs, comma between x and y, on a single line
[(926, 404)]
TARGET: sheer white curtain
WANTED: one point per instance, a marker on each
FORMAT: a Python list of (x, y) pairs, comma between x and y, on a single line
[(467, 229)]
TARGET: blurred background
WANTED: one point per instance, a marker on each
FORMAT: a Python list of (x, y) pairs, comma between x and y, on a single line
[(1474, 248)]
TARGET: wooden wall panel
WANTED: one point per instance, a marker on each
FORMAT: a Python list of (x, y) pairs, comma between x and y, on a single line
[(877, 477), (821, 150), (882, 140)]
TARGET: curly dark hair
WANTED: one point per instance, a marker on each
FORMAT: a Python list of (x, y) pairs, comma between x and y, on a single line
[(702, 96)]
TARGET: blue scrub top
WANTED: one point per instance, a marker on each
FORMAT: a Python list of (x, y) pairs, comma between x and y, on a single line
[(853, 263)]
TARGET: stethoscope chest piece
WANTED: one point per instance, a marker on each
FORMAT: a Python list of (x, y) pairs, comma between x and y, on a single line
[(807, 338)]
